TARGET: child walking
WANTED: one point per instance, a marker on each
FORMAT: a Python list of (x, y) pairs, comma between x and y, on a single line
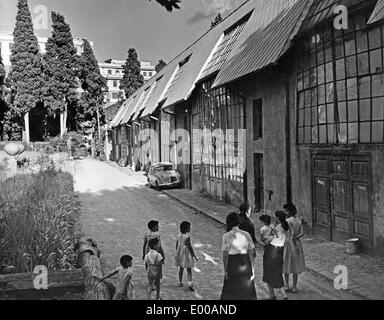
[(185, 254), (152, 233), (153, 261), (124, 287)]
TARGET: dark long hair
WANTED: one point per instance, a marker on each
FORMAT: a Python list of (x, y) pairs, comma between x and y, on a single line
[(290, 207), (282, 218), (232, 220)]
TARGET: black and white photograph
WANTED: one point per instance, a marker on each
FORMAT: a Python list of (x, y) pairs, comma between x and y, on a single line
[(192, 151)]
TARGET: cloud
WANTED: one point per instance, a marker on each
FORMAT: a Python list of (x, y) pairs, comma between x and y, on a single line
[(212, 8), (199, 16)]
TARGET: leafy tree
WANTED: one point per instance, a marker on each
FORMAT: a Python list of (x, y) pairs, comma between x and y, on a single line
[(2, 103), (60, 70), (169, 5), (132, 79), (217, 20), (25, 78), (160, 65), (93, 85)]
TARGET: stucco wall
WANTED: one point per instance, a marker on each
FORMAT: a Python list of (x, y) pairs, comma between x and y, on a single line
[(272, 92)]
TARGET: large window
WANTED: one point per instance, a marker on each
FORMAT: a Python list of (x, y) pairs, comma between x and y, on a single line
[(341, 85), (218, 109)]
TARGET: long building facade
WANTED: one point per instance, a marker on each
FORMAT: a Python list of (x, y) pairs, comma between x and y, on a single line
[(273, 105)]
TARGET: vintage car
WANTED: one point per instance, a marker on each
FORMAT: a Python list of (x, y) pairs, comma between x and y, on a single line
[(163, 174)]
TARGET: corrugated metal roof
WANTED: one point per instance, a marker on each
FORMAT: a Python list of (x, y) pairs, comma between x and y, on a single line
[(132, 107), (201, 52), (264, 38), (378, 12), (119, 114)]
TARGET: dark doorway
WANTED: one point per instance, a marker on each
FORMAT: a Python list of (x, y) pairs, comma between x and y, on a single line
[(258, 181)]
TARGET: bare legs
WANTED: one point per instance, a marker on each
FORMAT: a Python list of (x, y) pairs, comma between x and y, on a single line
[(295, 279), (189, 277), (151, 283), (272, 295)]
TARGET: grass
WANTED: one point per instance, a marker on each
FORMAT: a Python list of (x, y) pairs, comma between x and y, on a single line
[(38, 213)]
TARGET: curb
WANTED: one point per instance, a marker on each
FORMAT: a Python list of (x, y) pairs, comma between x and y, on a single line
[(192, 207)]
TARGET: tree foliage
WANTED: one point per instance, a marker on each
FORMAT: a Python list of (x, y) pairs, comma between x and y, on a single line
[(93, 86), (169, 5), (60, 67), (132, 79), (160, 65), (2, 102), (217, 20), (25, 78)]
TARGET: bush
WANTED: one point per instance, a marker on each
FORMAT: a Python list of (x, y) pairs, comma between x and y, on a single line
[(37, 218)]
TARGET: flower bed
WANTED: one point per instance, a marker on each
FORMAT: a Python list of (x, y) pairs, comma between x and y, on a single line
[(38, 213)]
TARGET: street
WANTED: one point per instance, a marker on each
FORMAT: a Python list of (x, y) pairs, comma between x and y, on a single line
[(115, 210)]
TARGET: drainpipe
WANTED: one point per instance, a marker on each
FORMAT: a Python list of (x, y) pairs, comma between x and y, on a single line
[(160, 121), (288, 141)]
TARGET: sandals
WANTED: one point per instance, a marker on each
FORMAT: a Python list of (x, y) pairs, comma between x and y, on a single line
[(191, 287), (180, 285)]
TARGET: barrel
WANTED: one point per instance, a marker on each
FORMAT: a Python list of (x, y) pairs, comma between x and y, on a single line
[(352, 246)]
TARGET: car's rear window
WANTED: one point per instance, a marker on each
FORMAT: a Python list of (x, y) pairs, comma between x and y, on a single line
[(164, 168)]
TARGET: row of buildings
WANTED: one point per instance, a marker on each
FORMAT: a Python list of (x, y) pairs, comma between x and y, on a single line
[(112, 70), (310, 97)]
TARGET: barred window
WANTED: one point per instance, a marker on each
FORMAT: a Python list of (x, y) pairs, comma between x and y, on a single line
[(220, 109), (341, 85)]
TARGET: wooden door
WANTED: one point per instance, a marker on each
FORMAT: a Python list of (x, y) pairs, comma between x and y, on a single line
[(340, 198), (342, 204), (321, 197)]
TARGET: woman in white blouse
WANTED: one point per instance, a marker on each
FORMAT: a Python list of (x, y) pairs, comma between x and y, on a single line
[(238, 254)]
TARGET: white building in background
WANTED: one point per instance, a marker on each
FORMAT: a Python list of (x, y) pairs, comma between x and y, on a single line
[(112, 70), (6, 43)]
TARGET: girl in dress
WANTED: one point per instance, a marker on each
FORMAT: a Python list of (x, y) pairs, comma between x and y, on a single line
[(185, 254), (294, 262)]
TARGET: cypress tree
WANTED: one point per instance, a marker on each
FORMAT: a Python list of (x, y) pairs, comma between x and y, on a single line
[(132, 79), (2, 104), (60, 69), (25, 78), (93, 85)]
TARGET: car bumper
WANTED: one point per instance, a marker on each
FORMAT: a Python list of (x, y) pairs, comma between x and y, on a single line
[(169, 184)]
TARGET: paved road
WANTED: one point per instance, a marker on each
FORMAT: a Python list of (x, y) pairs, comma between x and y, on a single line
[(115, 210)]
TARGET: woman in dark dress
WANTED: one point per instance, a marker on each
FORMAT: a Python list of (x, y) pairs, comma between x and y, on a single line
[(273, 258), (238, 254)]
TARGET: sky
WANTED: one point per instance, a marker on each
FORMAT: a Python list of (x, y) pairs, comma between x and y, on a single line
[(114, 26)]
